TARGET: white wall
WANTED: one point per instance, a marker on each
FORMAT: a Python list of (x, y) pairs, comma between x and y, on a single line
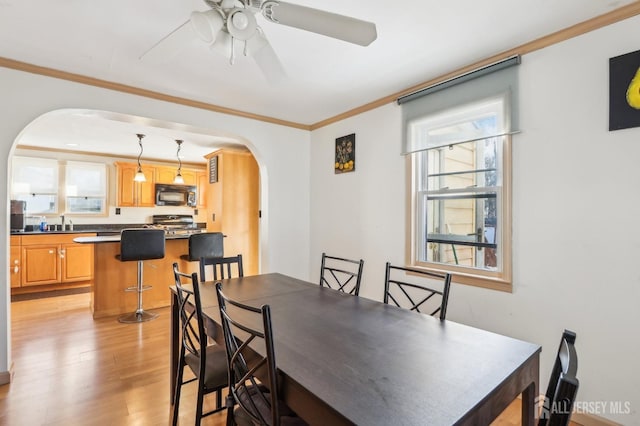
[(281, 152), (576, 208)]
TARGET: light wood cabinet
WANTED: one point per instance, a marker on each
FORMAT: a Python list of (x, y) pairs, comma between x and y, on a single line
[(233, 205), (15, 261), (166, 174), (202, 180), (54, 259), (77, 262), (132, 193)]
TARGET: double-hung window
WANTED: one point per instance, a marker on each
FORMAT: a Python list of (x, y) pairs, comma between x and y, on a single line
[(85, 187), (35, 180), (460, 219), (457, 135)]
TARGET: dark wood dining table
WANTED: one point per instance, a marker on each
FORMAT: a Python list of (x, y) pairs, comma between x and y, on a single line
[(350, 360)]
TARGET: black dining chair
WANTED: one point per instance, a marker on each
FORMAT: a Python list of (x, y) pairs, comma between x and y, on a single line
[(341, 274), (563, 384), (140, 244), (417, 290), (223, 267), (207, 362), (204, 244), (252, 400)]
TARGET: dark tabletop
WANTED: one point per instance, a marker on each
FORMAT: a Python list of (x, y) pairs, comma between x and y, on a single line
[(373, 363)]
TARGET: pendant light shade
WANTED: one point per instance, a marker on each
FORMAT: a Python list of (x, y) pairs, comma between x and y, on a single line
[(139, 177), (178, 179)]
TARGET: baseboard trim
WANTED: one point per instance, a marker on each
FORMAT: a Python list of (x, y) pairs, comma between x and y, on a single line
[(584, 419), (6, 376)]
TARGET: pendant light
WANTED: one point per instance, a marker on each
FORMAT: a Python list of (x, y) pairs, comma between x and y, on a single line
[(139, 177), (178, 179)]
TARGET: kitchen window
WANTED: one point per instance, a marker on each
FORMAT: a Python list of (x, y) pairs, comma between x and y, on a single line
[(82, 188), (460, 204), (85, 187), (35, 180)]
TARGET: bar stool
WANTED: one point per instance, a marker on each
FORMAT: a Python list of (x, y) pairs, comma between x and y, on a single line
[(140, 244), (205, 244)]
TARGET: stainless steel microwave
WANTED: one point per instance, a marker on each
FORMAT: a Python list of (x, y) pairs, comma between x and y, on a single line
[(175, 195)]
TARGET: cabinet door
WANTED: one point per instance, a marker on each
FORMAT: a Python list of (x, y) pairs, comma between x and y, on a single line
[(146, 191), (77, 262), (202, 182), (15, 268), (165, 174), (41, 265), (126, 185), (189, 177)]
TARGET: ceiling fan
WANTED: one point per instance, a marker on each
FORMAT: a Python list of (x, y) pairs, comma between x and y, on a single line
[(229, 22)]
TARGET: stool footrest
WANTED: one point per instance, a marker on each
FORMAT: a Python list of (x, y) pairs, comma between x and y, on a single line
[(144, 288)]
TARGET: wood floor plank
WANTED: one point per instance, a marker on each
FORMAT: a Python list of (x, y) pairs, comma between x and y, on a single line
[(70, 369)]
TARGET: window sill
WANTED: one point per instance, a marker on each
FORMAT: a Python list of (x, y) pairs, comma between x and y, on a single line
[(466, 276)]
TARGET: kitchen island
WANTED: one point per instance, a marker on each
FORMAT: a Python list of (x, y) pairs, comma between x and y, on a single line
[(111, 277)]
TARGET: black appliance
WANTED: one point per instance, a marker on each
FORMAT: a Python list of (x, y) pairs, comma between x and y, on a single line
[(175, 195), (18, 209)]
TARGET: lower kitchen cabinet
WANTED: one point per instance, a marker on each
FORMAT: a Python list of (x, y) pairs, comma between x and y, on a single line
[(15, 261), (55, 259)]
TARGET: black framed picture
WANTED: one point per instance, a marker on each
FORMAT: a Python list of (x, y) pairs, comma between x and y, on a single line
[(345, 154), (624, 91)]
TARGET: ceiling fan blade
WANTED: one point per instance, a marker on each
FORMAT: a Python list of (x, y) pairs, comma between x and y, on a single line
[(170, 45), (259, 48), (321, 22)]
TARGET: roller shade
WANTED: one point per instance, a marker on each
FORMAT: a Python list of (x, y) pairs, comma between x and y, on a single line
[(483, 87)]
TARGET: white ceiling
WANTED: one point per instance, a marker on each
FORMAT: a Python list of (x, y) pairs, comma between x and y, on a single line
[(417, 40)]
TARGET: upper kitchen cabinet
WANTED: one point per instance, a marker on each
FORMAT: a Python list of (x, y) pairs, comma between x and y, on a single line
[(233, 204), (202, 180), (132, 193), (166, 174)]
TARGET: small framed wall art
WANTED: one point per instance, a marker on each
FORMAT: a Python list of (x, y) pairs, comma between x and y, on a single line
[(345, 154), (624, 91), (213, 169)]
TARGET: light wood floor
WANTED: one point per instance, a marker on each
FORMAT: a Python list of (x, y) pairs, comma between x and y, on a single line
[(72, 370)]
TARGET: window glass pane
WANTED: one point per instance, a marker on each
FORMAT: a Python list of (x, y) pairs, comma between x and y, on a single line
[(458, 210), (85, 205), (38, 203)]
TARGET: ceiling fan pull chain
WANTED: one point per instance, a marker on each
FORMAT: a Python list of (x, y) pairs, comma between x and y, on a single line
[(232, 57)]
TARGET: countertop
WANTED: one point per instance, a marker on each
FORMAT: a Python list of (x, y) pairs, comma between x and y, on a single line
[(116, 238)]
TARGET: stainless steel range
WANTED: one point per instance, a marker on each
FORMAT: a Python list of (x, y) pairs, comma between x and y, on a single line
[(175, 223)]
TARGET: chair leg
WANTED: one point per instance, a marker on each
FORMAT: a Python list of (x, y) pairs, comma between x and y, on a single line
[(200, 401), (176, 395), (139, 315), (230, 405)]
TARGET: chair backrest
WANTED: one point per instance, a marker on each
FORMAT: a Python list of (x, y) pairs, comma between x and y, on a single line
[(341, 274), (417, 290), (206, 244), (222, 267), (244, 325), (563, 384), (193, 334), (141, 244)]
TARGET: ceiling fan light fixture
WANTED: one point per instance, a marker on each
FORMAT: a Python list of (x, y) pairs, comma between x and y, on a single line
[(179, 179), (139, 177), (207, 25), (241, 24)]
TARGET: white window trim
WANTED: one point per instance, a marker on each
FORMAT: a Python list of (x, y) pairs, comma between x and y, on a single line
[(497, 280)]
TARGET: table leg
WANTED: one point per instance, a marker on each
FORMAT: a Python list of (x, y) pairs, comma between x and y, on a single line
[(174, 350)]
